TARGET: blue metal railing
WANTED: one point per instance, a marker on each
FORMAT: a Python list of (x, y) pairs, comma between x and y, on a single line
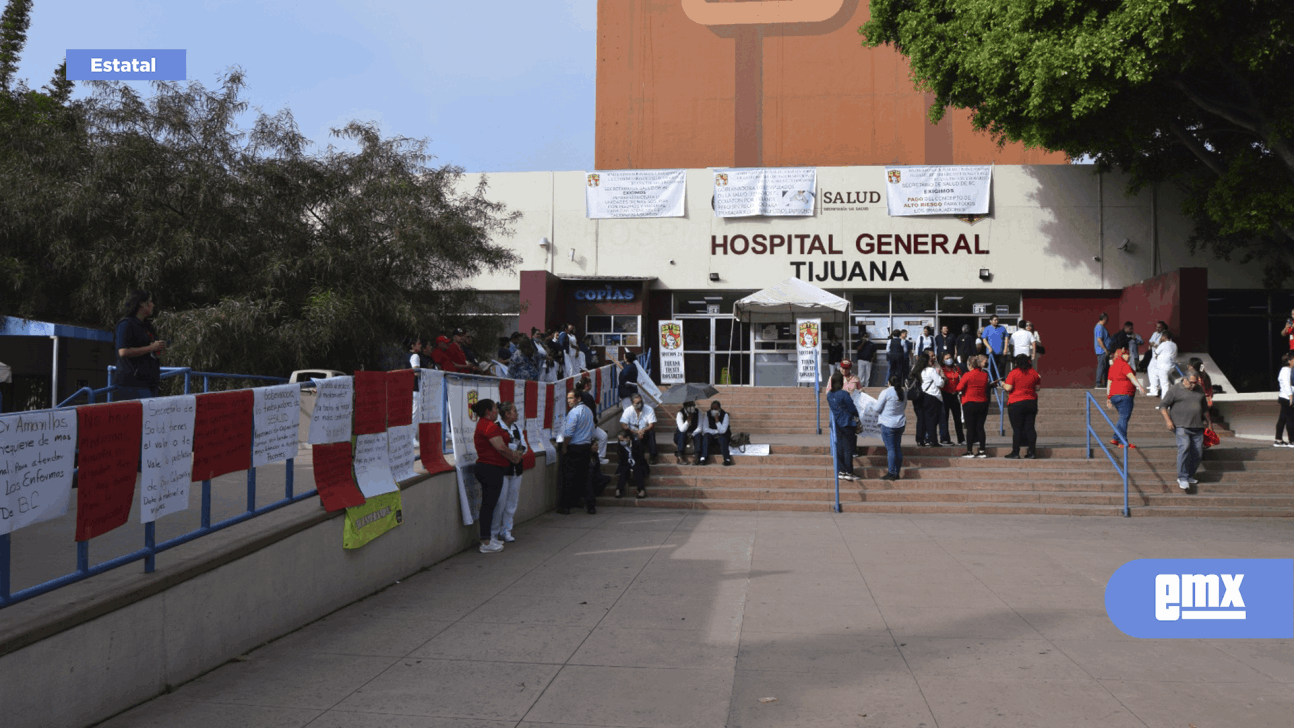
[(836, 470), (1091, 433), (817, 390), (995, 383)]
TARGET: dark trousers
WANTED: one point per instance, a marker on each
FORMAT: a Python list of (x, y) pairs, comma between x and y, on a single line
[(706, 443), (649, 442), (680, 442), (919, 409), (899, 366), (1022, 415), (934, 409), (491, 479), (1286, 421), (639, 474), (975, 413), (953, 408), (1102, 367), (846, 439), (576, 483)]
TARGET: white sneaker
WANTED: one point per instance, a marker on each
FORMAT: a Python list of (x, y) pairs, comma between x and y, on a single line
[(1280, 443), (494, 547), (1182, 483), (1192, 481), (507, 537)]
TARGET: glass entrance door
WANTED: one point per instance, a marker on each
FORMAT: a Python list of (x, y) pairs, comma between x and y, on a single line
[(716, 350)]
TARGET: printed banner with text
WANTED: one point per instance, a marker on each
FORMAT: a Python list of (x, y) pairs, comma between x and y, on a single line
[(635, 193), (808, 344), (776, 191), (671, 352), (941, 190)]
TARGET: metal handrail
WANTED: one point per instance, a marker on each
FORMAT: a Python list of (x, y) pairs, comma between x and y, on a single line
[(836, 470), (817, 390), (1091, 433), (995, 377)]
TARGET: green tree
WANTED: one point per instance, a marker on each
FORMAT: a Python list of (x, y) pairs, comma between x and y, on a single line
[(1195, 92)]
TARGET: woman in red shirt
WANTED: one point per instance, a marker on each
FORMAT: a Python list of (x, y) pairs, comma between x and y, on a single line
[(1120, 384), (1022, 406), (951, 405), (973, 387), (493, 456)]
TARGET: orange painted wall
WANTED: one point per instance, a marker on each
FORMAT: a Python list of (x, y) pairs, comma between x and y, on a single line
[(667, 96)]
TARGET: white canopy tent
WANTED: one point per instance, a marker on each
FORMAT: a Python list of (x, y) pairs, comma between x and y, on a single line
[(791, 299)]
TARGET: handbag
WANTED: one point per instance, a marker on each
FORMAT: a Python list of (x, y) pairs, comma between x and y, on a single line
[(1039, 348), (1210, 438)]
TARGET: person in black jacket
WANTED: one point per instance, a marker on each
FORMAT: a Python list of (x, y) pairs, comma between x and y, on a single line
[(964, 348), (632, 464), (139, 371), (864, 355), (897, 356), (944, 343)]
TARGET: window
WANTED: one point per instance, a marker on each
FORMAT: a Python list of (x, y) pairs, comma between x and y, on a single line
[(612, 330)]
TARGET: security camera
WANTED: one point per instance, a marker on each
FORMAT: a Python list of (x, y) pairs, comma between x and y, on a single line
[(1125, 245)]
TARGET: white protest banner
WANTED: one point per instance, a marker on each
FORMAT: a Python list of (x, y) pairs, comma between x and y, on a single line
[(938, 190), (276, 421), (463, 393), (37, 452), (635, 193), (373, 465), (671, 354), (779, 191), (647, 387), (431, 384), (399, 448), (330, 422), (808, 345), (166, 467), (868, 414)]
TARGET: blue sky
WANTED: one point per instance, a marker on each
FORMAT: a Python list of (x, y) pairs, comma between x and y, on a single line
[(496, 85)]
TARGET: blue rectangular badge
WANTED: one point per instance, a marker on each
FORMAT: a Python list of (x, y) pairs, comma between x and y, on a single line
[(127, 65)]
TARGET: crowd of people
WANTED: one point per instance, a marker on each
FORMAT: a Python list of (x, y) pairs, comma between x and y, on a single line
[(543, 356)]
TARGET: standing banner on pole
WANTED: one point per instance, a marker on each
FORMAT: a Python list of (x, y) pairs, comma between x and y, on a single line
[(166, 457), (775, 191), (635, 193), (671, 353), (938, 190), (37, 459), (808, 344)]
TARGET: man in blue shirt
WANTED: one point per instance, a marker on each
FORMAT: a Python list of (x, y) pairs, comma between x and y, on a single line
[(1101, 343), (995, 341), (577, 446)]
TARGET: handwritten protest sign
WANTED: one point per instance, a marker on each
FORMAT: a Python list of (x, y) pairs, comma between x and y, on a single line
[(370, 402), (276, 417), (868, 414), (399, 397), (166, 456), (108, 437), (373, 465), (331, 419), (431, 390), (222, 434), (399, 447), (335, 476), (36, 461)]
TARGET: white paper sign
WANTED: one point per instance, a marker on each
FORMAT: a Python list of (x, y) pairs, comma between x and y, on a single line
[(635, 193), (373, 465), (550, 451), (399, 446), (868, 414), (938, 190), (671, 353), (276, 419), (431, 384), (166, 456), (647, 387), (462, 425), (331, 419), (780, 191), (808, 346), (37, 453)]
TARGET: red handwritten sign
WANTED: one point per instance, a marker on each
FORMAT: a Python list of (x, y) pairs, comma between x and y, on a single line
[(399, 397), (507, 390), (431, 448), (222, 434), (532, 400), (548, 411), (597, 384), (370, 403), (108, 436), (335, 476)]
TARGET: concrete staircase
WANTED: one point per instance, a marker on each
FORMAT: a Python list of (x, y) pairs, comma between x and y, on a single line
[(1236, 479)]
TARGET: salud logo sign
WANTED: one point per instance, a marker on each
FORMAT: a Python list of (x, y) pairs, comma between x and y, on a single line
[(1203, 598)]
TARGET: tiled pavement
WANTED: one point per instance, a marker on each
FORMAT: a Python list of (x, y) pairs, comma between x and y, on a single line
[(667, 618)]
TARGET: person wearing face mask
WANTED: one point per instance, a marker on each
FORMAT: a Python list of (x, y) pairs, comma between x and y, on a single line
[(687, 425), (952, 405), (639, 420), (713, 431)]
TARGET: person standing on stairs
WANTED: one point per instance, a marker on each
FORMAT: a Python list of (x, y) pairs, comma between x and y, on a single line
[(1164, 362), (932, 401), (844, 419), (1119, 393), (948, 394), (896, 355), (1186, 414), (1285, 385), (973, 387), (1022, 407), (892, 420), (1101, 344)]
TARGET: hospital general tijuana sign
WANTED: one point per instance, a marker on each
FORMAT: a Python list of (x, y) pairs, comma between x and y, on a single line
[(872, 245)]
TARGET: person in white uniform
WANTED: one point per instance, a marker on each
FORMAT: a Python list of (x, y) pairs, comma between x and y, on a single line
[(639, 420), (501, 524), (1163, 363), (1022, 341)]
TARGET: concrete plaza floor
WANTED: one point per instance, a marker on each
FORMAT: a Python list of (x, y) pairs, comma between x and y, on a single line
[(654, 617)]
